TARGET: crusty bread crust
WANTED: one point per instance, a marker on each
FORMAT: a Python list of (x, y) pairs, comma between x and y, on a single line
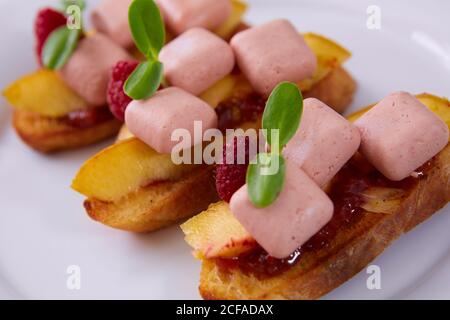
[(48, 135), (159, 205), (336, 90), (321, 271), (149, 209)]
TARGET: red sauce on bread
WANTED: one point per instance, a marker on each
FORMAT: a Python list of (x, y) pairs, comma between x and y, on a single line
[(236, 111), (87, 118), (346, 191)]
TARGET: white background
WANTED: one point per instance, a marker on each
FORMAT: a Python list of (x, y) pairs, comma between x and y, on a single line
[(43, 227)]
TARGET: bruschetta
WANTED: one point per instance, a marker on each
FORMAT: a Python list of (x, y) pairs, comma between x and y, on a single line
[(130, 186), (373, 206)]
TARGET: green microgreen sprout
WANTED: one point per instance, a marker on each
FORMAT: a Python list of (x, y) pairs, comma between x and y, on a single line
[(282, 115), (147, 28), (62, 42)]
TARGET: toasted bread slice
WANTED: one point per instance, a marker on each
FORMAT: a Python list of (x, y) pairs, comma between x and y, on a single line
[(48, 134), (389, 210), (161, 205), (336, 90)]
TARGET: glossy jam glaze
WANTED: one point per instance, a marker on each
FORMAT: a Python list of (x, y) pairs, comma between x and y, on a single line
[(346, 192)]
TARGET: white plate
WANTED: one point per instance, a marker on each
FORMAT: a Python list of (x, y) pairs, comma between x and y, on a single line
[(43, 227)]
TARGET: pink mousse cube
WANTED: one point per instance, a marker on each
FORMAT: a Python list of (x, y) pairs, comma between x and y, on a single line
[(88, 70), (111, 19), (301, 210), (181, 15), (324, 142), (272, 53), (154, 120), (196, 60), (400, 134)]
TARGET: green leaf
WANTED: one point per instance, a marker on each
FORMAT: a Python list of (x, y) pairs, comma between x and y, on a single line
[(283, 112), (59, 47), (147, 27), (64, 4), (145, 80), (265, 179)]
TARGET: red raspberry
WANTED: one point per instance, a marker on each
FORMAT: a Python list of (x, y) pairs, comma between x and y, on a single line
[(231, 176), (47, 21), (117, 99)]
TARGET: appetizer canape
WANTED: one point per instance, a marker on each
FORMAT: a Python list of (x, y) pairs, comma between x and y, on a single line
[(332, 217), (63, 104), (67, 108), (134, 185)]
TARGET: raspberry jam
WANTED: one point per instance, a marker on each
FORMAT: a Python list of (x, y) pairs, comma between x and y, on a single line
[(346, 193), (238, 110), (87, 118)]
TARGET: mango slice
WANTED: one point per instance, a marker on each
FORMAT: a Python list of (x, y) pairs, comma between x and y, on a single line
[(43, 92)]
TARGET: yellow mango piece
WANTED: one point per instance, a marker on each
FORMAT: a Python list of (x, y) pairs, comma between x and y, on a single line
[(43, 92), (215, 233), (330, 55), (123, 168), (226, 29), (220, 91)]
